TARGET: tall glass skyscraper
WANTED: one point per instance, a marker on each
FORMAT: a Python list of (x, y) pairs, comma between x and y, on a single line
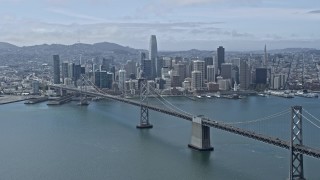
[(64, 69), (220, 55), (56, 69), (210, 73), (142, 57), (265, 56), (153, 56), (244, 75)]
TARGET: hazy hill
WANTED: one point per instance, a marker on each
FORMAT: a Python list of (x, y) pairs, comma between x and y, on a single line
[(44, 52), (7, 46), (10, 54)]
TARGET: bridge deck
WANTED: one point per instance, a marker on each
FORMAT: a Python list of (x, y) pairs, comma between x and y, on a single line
[(211, 123), (267, 139)]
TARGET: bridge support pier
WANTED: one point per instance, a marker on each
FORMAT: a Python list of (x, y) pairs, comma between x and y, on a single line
[(296, 158), (144, 111), (200, 138), (144, 119)]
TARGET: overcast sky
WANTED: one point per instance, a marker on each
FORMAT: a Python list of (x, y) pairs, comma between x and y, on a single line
[(178, 24)]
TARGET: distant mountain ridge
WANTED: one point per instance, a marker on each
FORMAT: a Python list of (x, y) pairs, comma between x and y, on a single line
[(10, 53), (72, 52), (97, 46), (5, 45), (113, 46)]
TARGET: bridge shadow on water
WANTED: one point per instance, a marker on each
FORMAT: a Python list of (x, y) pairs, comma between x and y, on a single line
[(149, 136), (201, 157)]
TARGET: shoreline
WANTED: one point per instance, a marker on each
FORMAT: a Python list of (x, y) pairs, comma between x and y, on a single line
[(7, 99)]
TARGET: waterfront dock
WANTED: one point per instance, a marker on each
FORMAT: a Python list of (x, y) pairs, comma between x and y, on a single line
[(36, 100), (59, 101), (6, 99)]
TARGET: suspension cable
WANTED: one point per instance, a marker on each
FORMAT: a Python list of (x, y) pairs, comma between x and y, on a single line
[(170, 102), (163, 103), (311, 115), (310, 121), (232, 123), (96, 88), (261, 119)]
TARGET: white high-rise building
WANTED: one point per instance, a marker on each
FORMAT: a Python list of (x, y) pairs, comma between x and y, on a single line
[(199, 66), (196, 82), (122, 80), (165, 72), (187, 84), (130, 68), (278, 81), (35, 87)]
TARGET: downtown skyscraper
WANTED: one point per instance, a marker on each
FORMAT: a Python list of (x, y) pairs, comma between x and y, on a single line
[(220, 56), (245, 74), (153, 56), (199, 65), (56, 69), (265, 56)]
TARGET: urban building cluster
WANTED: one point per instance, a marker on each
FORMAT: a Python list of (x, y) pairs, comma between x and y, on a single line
[(168, 74), (179, 75)]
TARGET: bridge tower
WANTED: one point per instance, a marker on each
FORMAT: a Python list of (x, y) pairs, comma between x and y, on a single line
[(296, 158), (200, 138), (144, 111), (83, 98)]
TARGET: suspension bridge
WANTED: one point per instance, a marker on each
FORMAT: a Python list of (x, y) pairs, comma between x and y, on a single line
[(200, 139)]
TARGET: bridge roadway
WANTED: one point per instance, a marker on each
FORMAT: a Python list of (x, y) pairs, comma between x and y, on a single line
[(207, 122)]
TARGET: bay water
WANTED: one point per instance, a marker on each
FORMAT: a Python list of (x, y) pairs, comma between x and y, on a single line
[(100, 141)]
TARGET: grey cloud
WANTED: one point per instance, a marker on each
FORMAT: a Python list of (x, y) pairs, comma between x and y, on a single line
[(314, 12), (134, 33), (68, 13), (58, 33), (273, 37), (238, 34), (201, 2), (131, 34), (209, 32)]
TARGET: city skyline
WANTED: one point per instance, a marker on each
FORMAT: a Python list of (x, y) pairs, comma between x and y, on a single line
[(178, 24)]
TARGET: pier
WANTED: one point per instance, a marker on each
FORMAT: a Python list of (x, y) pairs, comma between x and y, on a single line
[(59, 101), (36, 100)]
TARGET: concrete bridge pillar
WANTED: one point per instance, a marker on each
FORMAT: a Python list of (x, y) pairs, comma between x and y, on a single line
[(200, 138)]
